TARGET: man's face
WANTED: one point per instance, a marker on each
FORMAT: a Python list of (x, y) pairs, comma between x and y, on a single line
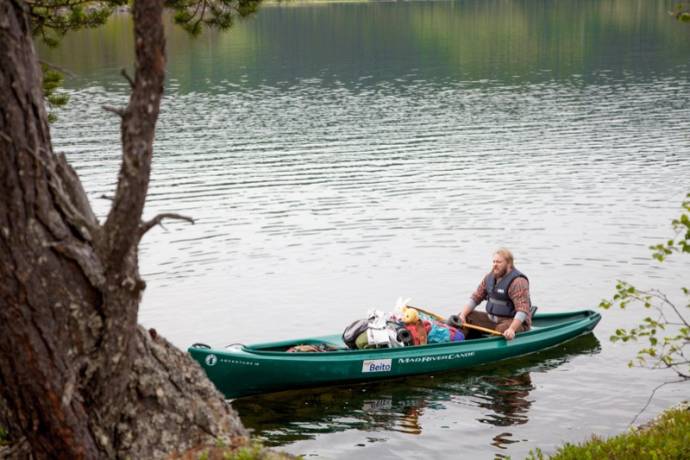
[(500, 266)]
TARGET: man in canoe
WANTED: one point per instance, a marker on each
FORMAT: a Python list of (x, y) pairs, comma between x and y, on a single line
[(506, 291)]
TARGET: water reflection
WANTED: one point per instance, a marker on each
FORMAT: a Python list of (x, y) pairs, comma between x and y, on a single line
[(501, 392), (506, 398), (358, 44)]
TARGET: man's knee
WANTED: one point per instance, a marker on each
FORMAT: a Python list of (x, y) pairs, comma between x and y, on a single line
[(477, 317)]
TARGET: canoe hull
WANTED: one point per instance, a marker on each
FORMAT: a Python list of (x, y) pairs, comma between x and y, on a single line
[(261, 368)]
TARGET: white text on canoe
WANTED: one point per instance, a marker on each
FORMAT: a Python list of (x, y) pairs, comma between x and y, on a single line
[(429, 359)]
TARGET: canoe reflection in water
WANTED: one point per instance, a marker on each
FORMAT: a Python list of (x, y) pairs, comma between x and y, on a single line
[(501, 391)]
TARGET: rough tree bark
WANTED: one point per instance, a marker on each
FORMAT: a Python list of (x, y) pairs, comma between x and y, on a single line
[(78, 377)]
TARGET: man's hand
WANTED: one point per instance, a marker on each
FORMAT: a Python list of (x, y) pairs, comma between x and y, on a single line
[(509, 333)]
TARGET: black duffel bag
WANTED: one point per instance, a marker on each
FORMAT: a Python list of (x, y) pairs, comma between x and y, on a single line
[(351, 332)]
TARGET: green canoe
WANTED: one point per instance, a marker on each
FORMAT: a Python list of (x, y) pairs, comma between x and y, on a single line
[(242, 370)]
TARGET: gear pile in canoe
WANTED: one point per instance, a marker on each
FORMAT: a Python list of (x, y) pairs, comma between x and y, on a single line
[(407, 326)]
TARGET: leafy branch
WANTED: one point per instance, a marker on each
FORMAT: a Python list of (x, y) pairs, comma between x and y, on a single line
[(52, 81), (667, 328), (681, 243), (193, 14), (52, 19), (682, 12)]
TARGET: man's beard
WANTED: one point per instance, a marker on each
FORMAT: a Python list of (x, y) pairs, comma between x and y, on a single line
[(500, 273)]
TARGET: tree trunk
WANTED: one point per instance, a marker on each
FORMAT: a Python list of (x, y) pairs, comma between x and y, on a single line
[(78, 377)]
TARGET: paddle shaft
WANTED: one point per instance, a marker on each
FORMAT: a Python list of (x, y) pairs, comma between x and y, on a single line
[(467, 325)]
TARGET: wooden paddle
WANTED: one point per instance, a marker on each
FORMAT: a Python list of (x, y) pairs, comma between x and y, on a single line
[(467, 325)]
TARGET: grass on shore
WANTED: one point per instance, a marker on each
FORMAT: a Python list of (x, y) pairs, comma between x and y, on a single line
[(667, 437), (254, 450)]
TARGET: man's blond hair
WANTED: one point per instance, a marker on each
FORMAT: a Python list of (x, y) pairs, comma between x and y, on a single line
[(506, 254)]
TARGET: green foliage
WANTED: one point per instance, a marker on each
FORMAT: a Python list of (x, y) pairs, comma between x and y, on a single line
[(251, 452), (668, 438), (192, 15), (51, 19), (3, 436), (258, 452), (682, 12), (682, 241), (666, 329), (52, 80)]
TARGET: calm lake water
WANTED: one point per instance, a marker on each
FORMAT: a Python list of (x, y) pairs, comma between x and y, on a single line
[(337, 156)]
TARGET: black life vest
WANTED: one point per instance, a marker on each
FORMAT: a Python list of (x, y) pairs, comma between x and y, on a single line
[(497, 301)]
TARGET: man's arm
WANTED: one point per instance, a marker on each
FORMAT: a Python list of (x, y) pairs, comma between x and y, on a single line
[(509, 333), (467, 309), (519, 294), (475, 299)]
